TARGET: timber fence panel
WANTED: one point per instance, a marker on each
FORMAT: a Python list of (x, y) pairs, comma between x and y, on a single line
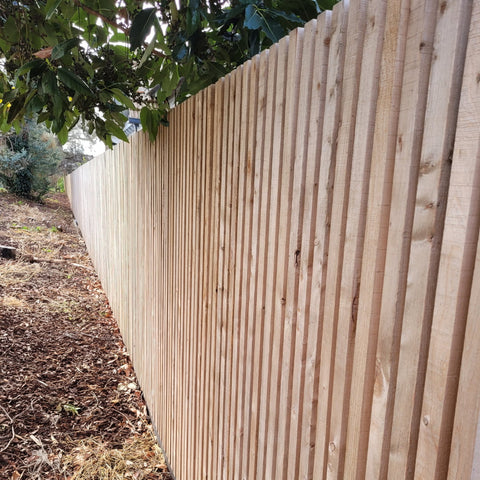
[(465, 448), (233, 153), (268, 185), (270, 370), (351, 350), (454, 284), (330, 446), (230, 247), (294, 263), (257, 286)]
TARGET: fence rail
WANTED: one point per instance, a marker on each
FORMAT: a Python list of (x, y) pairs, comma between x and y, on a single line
[(294, 264)]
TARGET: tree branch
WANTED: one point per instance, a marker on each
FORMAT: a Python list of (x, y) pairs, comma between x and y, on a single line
[(89, 10), (113, 24)]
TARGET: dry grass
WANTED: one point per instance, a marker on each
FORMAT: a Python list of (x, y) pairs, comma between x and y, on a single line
[(49, 286), (13, 302), (39, 242), (37, 230), (12, 272), (25, 213), (140, 458)]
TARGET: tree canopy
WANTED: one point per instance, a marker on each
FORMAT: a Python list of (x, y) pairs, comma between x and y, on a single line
[(65, 61)]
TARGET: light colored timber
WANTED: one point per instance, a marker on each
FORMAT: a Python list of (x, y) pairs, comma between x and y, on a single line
[(350, 396), (341, 134), (293, 264), (456, 270), (277, 62), (258, 255), (376, 232), (465, 448)]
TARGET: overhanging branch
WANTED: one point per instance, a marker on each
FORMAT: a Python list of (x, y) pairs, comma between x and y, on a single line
[(112, 23), (89, 10)]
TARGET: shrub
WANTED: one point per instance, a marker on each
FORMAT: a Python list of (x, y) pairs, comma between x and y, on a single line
[(60, 185), (27, 161)]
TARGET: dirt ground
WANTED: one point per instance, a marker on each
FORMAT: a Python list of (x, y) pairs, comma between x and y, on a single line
[(70, 405)]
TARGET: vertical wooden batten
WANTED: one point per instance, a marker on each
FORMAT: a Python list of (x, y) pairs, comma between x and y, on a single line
[(294, 263)]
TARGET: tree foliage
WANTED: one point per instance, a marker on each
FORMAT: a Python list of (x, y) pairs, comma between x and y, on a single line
[(28, 159), (89, 60)]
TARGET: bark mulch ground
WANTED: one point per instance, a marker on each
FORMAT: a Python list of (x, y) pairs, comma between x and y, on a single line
[(70, 404)]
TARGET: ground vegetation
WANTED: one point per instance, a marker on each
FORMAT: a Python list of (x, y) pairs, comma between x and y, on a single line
[(29, 159), (70, 404)]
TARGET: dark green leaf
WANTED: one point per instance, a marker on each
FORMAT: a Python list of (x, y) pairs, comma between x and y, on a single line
[(36, 104), (5, 127), (52, 5), (267, 20), (43, 117), (101, 35), (141, 26), (230, 13), (105, 97), (122, 98), (62, 48), (16, 107), (62, 135), (180, 52), (31, 94), (290, 17), (58, 124), (145, 117), (164, 120), (73, 82), (4, 46), (168, 83), (149, 123), (34, 65), (148, 51), (253, 20), (10, 30), (107, 139), (100, 127), (58, 107), (49, 83), (272, 29), (68, 9), (253, 42), (193, 17), (306, 9), (326, 4), (114, 129), (118, 117)]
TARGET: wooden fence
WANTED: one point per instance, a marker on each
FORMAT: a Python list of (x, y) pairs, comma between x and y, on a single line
[(294, 264)]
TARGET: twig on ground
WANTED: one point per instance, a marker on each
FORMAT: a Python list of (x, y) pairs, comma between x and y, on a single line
[(13, 430), (56, 260)]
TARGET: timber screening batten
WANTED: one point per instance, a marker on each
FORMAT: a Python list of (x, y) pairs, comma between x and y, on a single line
[(294, 264)]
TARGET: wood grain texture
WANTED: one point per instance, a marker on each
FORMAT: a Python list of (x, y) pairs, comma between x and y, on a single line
[(457, 261), (303, 298), (464, 454)]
